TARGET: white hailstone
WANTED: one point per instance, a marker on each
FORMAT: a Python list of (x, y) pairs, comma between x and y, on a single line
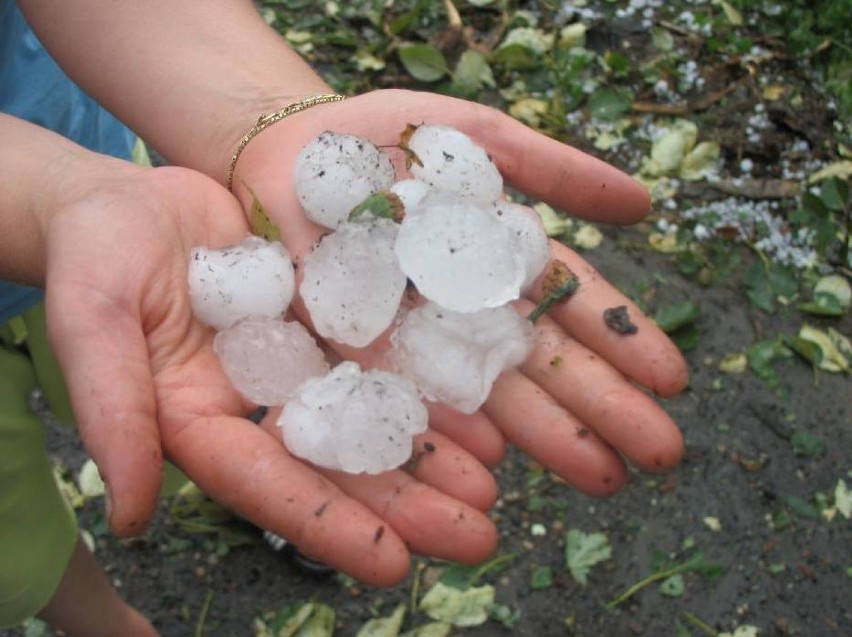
[(352, 283), (451, 161), (529, 234), (410, 192), (454, 358), (460, 256), (253, 277), (354, 421), (335, 172), (266, 359)]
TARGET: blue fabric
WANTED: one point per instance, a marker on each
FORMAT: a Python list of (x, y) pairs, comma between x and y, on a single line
[(34, 88)]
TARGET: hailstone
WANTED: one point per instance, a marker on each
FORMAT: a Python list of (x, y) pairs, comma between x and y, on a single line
[(266, 359), (410, 192), (335, 172), (354, 421), (352, 284), (454, 358), (529, 236), (450, 161), (460, 256), (253, 277)]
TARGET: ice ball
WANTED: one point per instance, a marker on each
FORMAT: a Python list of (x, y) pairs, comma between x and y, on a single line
[(459, 255), (449, 160), (335, 172), (266, 359), (227, 284), (529, 236), (454, 358), (410, 192), (354, 421), (352, 284)]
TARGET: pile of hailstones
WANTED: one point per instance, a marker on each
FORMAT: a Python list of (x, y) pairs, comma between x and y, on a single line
[(468, 252)]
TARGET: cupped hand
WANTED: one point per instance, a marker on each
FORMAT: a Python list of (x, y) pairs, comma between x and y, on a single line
[(145, 383), (581, 403)]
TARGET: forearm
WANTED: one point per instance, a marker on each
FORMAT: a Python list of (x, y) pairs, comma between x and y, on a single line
[(42, 173), (190, 77)]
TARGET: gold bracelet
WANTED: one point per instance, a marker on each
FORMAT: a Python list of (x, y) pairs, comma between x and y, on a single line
[(264, 121)]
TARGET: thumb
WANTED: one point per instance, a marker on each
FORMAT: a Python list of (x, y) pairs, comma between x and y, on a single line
[(104, 357)]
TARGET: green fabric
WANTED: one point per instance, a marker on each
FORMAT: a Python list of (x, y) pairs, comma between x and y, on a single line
[(47, 371), (38, 530)]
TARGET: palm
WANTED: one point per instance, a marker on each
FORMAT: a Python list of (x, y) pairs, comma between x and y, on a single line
[(145, 383)]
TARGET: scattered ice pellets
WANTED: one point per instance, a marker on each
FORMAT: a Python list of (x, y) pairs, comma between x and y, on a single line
[(253, 277), (530, 237), (410, 192), (454, 358), (352, 283), (451, 161), (354, 421), (266, 359), (335, 172), (460, 256)]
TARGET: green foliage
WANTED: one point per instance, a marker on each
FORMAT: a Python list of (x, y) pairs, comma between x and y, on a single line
[(583, 551)]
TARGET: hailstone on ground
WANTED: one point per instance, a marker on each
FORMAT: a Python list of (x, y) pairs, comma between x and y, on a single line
[(354, 421), (254, 277), (449, 160), (335, 172), (266, 359), (352, 283), (529, 235), (460, 256), (454, 358)]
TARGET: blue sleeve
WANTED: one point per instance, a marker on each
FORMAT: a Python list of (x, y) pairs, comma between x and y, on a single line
[(34, 88)]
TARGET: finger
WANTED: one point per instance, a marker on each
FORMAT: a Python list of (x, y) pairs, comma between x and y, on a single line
[(430, 522), (104, 358), (598, 395), (476, 432), (648, 356), (244, 468), (535, 422)]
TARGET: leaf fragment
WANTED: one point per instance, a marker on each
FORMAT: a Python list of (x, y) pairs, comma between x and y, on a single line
[(469, 607), (583, 551), (384, 626)]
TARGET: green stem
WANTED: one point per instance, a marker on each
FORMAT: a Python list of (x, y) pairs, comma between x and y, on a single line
[(202, 616), (547, 302), (702, 626), (656, 577)]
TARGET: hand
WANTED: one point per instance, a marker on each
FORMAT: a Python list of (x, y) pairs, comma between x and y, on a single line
[(578, 418), (145, 382)]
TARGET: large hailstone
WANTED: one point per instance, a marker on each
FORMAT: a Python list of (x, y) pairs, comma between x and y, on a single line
[(354, 421), (254, 277), (335, 172), (451, 161), (529, 235), (266, 359), (352, 283), (454, 358), (460, 256)]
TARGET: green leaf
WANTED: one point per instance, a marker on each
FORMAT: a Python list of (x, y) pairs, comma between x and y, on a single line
[(834, 193), (674, 317), (462, 576), (432, 629), (764, 285), (514, 57), (583, 551), (801, 507), (384, 204), (608, 104), (424, 62), (472, 71), (673, 586), (469, 607), (542, 577), (384, 626), (806, 444), (261, 223), (763, 355)]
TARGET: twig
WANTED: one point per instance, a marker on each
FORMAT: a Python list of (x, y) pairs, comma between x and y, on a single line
[(655, 577)]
